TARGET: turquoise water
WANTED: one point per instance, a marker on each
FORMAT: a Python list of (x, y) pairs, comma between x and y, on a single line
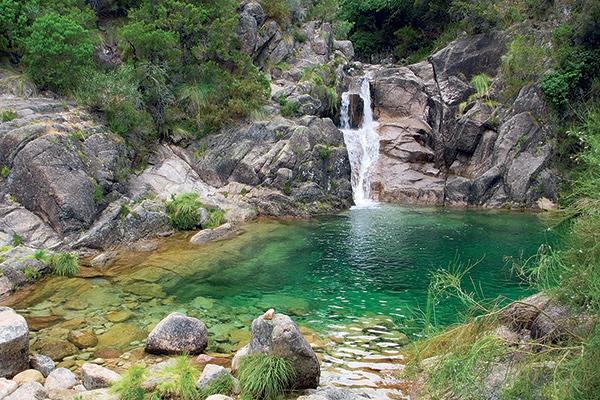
[(354, 282)]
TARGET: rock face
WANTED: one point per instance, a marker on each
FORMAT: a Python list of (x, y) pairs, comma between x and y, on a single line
[(281, 337), (433, 150), (178, 334), (14, 343)]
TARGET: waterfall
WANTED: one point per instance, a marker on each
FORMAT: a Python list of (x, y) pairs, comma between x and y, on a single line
[(362, 144)]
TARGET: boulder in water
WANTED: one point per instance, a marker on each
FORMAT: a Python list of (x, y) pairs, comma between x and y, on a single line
[(178, 334), (14, 343), (281, 337)]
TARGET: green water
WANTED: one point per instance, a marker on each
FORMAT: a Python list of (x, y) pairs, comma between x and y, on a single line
[(353, 279)]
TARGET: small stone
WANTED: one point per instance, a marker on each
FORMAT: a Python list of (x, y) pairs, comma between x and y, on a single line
[(28, 391), (29, 375), (7, 387), (118, 316), (83, 339), (42, 363), (210, 373), (269, 314), (96, 377), (60, 378), (98, 361)]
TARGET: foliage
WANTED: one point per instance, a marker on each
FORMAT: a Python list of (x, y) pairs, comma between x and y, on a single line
[(264, 376), (324, 151), (8, 115), (181, 380), (279, 10), (15, 18), (216, 217), (289, 108), (522, 64), (481, 83), (223, 385), (184, 211), (40, 255), (64, 264), (58, 52), (129, 387), (16, 240), (4, 171)]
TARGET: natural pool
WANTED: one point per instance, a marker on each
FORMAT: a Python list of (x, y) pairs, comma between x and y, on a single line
[(351, 280)]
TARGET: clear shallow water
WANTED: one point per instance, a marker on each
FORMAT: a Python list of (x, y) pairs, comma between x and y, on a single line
[(351, 280)]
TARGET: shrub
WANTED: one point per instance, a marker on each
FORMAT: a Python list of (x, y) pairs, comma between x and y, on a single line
[(8, 115), (181, 380), (279, 10), (183, 211), (287, 189), (300, 36), (264, 376), (223, 385), (324, 151), (40, 255), (290, 108), (31, 273), (64, 264), (58, 52), (129, 387)]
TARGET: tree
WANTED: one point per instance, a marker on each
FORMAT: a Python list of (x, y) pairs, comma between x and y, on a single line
[(15, 17), (57, 52)]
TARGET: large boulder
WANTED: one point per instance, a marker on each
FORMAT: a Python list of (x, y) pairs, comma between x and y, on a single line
[(14, 343), (178, 334), (278, 335), (95, 376)]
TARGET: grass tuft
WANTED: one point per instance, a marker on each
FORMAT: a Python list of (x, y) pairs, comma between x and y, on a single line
[(264, 376), (181, 380), (183, 211), (129, 387), (64, 264), (223, 385)]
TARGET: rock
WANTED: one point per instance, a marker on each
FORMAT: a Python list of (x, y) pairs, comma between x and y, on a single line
[(97, 377), (83, 339), (29, 375), (521, 314), (104, 260), (333, 394), (178, 334), (269, 314), (118, 316), (219, 397), (7, 387), (99, 394), (42, 363), (14, 343), (56, 349), (60, 378), (28, 391), (210, 373), (207, 235), (281, 337)]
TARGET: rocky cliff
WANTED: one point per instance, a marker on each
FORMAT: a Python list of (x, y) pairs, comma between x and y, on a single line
[(441, 145)]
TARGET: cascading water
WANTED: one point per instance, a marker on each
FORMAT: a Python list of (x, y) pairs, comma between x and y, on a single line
[(362, 144)]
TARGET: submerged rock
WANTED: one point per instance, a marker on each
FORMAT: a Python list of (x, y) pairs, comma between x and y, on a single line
[(83, 339), (14, 343), (178, 334), (281, 337)]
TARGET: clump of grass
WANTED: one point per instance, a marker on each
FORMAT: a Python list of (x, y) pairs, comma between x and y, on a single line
[(64, 264), (31, 273), (222, 385), (289, 108), (216, 217), (4, 171), (287, 189), (40, 255), (264, 376), (129, 387), (324, 151), (8, 115), (16, 240), (183, 211), (181, 380)]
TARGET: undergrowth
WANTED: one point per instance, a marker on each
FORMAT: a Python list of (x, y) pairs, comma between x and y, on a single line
[(129, 387), (180, 380)]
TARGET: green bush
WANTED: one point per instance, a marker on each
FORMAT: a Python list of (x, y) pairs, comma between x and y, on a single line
[(180, 380), (129, 387), (264, 376), (216, 218), (16, 240), (16, 17), (279, 10), (64, 264), (31, 273), (8, 115), (290, 108), (183, 211), (58, 52)]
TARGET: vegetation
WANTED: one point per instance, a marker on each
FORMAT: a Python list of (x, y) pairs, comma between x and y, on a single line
[(264, 376), (129, 387), (64, 264), (180, 382), (16, 240), (8, 115), (184, 211), (31, 273), (4, 171), (223, 385)]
